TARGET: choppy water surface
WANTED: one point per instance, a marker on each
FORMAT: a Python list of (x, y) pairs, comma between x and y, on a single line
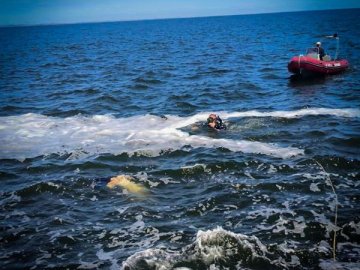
[(83, 103)]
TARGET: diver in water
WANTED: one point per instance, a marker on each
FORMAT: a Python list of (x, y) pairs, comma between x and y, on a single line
[(215, 122)]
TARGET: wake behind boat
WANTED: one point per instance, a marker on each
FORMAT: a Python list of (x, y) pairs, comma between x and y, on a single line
[(314, 63)]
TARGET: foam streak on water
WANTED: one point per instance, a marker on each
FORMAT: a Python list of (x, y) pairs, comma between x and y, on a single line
[(32, 135)]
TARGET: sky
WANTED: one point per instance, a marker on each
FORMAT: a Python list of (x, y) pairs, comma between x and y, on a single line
[(32, 12)]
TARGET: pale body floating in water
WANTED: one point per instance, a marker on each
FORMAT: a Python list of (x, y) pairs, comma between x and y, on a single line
[(126, 182)]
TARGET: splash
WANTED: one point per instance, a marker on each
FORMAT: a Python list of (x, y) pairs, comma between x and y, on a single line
[(32, 135), (217, 246)]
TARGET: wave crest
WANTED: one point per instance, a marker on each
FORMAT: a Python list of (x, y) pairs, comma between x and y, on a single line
[(32, 135)]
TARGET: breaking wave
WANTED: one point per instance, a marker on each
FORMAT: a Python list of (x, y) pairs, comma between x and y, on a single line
[(209, 248), (219, 249), (31, 135)]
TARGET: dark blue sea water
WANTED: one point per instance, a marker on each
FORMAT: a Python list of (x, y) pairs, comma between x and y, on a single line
[(279, 189)]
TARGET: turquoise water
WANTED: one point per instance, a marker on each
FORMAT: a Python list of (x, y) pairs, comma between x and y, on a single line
[(83, 103)]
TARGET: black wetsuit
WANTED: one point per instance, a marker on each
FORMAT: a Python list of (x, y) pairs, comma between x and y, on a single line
[(321, 53), (219, 123)]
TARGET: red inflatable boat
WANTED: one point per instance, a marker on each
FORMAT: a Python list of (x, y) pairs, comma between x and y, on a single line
[(310, 63)]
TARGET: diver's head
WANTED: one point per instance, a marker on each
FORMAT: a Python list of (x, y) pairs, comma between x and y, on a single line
[(212, 117), (318, 44)]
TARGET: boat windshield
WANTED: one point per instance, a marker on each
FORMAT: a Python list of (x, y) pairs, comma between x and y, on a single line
[(313, 52)]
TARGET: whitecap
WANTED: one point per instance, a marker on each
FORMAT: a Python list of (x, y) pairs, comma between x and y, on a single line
[(31, 135), (210, 247)]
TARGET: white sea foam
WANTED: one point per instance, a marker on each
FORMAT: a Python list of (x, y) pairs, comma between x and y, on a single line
[(209, 247), (297, 113), (213, 246), (31, 135), (314, 187), (334, 265)]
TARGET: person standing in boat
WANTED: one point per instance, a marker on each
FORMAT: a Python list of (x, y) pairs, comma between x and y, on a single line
[(320, 50)]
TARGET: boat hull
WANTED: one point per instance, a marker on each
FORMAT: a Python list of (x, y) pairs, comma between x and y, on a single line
[(305, 64)]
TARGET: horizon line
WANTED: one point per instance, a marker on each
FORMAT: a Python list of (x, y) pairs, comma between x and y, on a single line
[(168, 18)]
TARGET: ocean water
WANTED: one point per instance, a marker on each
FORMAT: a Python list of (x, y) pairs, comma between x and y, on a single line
[(279, 189)]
